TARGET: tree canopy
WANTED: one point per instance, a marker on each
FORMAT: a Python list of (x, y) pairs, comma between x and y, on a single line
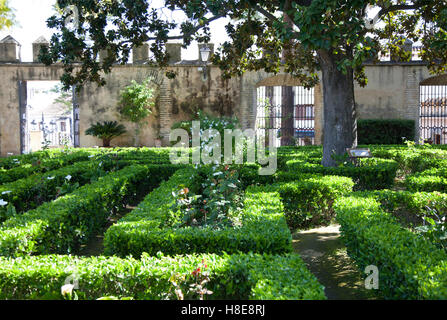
[(304, 38), (6, 15), (257, 29)]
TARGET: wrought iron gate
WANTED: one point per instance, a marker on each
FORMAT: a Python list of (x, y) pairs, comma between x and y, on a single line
[(433, 114), (290, 111)]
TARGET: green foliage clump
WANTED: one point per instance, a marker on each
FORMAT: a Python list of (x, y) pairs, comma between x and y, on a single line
[(106, 131), (136, 104), (372, 173), (410, 266), (152, 226), (63, 225), (241, 276), (309, 202), (42, 165), (385, 132)]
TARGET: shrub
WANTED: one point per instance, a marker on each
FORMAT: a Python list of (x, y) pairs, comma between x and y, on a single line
[(242, 276), (385, 131), (106, 131), (430, 180), (28, 193), (62, 225), (309, 202), (136, 103), (43, 165), (410, 267), (150, 227), (372, 173)]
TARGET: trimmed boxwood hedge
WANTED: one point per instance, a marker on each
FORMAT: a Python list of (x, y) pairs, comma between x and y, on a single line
[(410, 267), (62, 225), (45, 165), (149, 227), (308, 202), (22, 193), (430, 180), (372, 174), (246, 276), (390, 131)]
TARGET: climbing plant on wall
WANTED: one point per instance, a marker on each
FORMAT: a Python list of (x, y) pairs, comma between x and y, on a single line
[(136, 103)]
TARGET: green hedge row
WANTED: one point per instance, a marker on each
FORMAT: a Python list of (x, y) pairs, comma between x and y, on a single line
[(309, 202), (19, 160), (372, 173), (62, 225), (28, 193), (44, 165), (415, 203), (385, 131), (247, 276), (414, 159), (149, 228), (430, 180), (409, 266)]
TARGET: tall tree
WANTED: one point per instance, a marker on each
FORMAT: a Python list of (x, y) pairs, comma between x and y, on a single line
[(6, 15), (306, 38)]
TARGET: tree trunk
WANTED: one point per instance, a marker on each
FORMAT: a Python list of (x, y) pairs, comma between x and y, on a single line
[(340, 124), (137, 135), (106, 143), (287, 119)]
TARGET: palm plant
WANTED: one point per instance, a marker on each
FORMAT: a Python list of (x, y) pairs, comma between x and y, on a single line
[(107, 131)]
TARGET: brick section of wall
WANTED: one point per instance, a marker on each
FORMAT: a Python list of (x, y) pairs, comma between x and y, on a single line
[(165, 110), (412, 93)]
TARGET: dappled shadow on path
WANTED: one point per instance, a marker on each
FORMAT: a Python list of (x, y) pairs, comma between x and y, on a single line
[(326, 257)]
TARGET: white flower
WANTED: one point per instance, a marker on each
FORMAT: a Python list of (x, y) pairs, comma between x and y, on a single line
[(91, 156), (68, 178), (50, 178), (6, 192), (67, 289), (3, 203)]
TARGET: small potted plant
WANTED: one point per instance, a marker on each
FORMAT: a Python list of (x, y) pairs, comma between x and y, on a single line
[(107, 131)]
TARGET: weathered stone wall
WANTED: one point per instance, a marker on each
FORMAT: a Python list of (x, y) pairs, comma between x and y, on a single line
[(392, 92)]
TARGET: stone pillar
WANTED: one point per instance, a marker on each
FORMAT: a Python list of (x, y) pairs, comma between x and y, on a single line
[(39, 43), (175, 52), (210, 46), (102, 56), (412, 103), (319, 114), (141, 54), (10, 50)]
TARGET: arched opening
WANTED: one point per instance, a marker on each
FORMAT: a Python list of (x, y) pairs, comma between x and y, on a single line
[(288, 109), (433, 110)]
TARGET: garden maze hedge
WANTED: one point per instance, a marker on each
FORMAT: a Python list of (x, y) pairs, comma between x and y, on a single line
[(54, 202)]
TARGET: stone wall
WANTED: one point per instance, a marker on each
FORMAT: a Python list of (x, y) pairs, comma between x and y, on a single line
[(392, 93)]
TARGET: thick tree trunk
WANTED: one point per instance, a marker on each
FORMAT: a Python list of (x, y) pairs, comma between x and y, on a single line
[(106, 143), (340, 124), (287, 106)]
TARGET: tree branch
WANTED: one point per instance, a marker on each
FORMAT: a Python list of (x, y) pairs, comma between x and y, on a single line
[(197, 28), (265, 13), (398, 7)]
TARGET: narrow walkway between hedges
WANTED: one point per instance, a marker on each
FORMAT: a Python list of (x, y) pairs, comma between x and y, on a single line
[(326, 257)]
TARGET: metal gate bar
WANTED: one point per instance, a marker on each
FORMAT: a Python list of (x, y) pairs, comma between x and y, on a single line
[(270, 114), (433, 114)]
